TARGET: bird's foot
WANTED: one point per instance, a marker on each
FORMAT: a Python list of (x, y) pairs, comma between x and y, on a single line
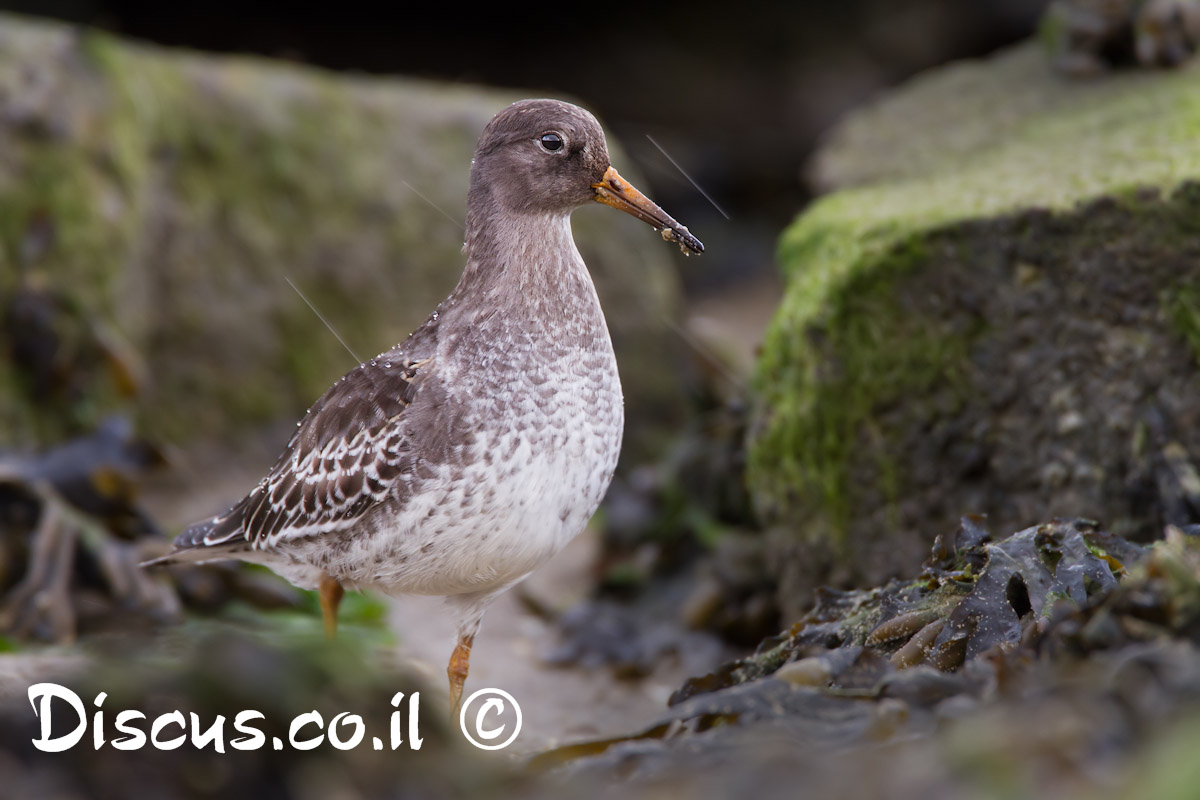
[(460, 663)]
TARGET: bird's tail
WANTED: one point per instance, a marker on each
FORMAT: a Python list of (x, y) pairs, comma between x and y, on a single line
[(214, 538)]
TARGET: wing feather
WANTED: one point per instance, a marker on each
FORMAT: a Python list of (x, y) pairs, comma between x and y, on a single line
[(346, 456)]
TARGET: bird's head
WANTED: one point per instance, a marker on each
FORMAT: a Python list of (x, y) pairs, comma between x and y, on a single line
[(546, 156)]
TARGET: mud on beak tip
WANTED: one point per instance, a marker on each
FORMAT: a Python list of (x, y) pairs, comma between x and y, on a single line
[(688, 244)]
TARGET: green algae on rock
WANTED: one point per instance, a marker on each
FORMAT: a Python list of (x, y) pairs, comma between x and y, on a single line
[(981, 321), (173, 194)]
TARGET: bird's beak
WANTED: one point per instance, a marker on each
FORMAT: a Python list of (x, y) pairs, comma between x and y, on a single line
[(615, 191)]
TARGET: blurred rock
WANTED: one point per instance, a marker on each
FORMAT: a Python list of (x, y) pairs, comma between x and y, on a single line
[(627, 640), (739, 124), (58, 366), (171, 196), (997, 316), (734, 593)]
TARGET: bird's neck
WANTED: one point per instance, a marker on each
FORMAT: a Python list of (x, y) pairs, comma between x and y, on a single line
[(515, 259)]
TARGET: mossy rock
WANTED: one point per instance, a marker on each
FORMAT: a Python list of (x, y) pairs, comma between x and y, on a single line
[(171, 196), (998, 314)]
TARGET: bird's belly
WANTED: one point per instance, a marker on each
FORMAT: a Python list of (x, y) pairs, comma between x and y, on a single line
[(530, 488)]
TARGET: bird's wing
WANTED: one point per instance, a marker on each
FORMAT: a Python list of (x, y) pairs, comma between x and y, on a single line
[(348, 453)]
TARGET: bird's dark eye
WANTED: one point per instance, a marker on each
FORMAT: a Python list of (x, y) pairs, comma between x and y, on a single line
[(551, 141)]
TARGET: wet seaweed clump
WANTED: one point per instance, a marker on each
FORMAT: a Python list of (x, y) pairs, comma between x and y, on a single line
[(72, 536), (1030, 662), (974, 596)]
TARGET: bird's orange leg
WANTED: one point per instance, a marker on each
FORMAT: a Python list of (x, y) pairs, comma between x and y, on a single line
[(460, 662), (331, 598)]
